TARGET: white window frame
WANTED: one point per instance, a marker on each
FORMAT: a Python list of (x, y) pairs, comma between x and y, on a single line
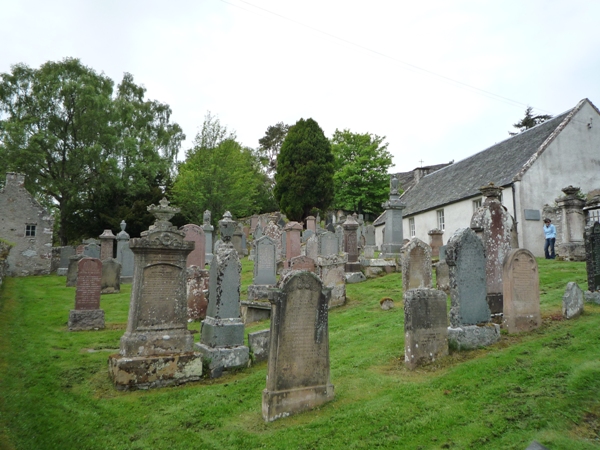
[(477, 204), (411, 227), (440, 219)]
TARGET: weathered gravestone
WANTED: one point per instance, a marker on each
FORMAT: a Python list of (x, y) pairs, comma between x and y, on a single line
[(370, 244), (157, 348), (222, 336), (298, 370), (195, 234), (306, 235), (416, 265), (312, 247), (87, 314), (274, 232), (302, 263), (258, 232), (259, 345), (63, 264), (350, 227), (331, 267), (196, 288), (72, 270), (425, 326), (208, 237), (494, 224), (339, 234), (435, 241), (311, 223), (91, 250), (328, 244), (293, 245), (572, 302), (470, 316), (111, 276), (393, 237), (107, 245), (237, 241), (442, 278), (124, 254), (521, 292), (330, 227), (265, 265), (592, 256)]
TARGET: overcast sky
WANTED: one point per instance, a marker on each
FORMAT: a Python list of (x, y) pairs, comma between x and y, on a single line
[(440, 79)]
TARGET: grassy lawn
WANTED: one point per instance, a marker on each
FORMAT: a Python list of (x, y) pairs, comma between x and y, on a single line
[(544, 385)]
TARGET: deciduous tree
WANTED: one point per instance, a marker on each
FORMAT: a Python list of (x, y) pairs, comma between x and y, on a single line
[(361, 177)]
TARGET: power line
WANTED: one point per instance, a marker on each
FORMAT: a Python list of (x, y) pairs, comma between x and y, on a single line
[(407, 65)]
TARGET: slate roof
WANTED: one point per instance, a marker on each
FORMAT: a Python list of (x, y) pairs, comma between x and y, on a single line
[(501, 164)]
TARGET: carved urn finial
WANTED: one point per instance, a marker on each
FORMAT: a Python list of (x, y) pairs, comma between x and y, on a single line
[(163, 212), (227, 227), (491, 191)]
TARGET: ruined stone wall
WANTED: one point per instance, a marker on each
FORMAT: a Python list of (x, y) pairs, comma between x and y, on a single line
[(30, 255)]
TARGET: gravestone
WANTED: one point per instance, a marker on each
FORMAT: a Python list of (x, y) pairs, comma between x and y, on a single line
[(111, 276), (253, 223), (331, 270), (416, 265), (91, 250), (237, 241), (370, 244), (293, 245), (72, 270), (592, 256), (330, 227), (435, 242), (339, 233), (87, 314), (312, 247), (258, 342), (328, 244), (572, 301), (302, 263), (195, 234), (157, 348), (494, 224), (222, 336), (470, 316), (218, 245), (393, 237), (107, 245), (351, 244), (311, 224), (442, 276), (274, 232), (307, 234), (196, 288), (257, 307), (63, 264), (258, 232), (425, 326), (124, 255), (521, 292), (208, 237), (298, 376)]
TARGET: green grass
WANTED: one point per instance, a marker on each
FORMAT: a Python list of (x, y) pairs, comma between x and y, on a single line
[(544, 385)]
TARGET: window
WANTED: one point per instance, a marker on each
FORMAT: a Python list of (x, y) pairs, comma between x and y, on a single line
[(30, 230), (440, 219), (411, 227), (476, 204)]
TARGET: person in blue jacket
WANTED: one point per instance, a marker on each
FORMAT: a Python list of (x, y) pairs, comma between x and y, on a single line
[(550, 233)]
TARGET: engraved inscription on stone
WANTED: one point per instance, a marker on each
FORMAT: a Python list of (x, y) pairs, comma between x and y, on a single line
[(416, 278), (89, 280), (522, 271), (159, 294)]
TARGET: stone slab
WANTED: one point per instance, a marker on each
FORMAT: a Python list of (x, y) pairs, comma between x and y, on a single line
[(355, 277), (86, 319), (255, 311), (258, 342), (473, 336), (572, 301), (154, 371), (257, 292), (592, 297), (220, 359), (279, 404)]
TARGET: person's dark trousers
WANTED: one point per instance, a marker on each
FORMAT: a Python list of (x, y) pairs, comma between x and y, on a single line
[(549, 245)]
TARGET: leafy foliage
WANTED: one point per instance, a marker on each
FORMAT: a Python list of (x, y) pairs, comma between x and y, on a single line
[(361, 164), (304, 178), (85, 152), (270, 145), (220, 175), (529, 121)]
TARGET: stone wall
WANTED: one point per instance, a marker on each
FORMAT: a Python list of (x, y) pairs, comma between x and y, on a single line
[(4, 250), (26, 224)]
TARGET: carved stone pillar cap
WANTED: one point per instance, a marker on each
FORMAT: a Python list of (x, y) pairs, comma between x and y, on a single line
[(570, 190), (108, 234), (163, 212), (491, 191), (227, 227)]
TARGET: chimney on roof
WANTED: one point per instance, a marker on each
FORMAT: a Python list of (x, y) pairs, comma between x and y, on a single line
[(15, 179), (420, 172)]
